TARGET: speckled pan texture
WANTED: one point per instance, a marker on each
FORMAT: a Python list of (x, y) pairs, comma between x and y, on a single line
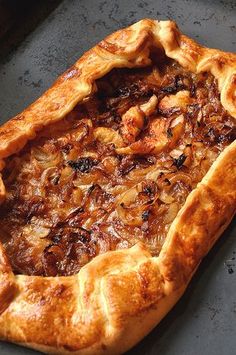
[(49, 41)]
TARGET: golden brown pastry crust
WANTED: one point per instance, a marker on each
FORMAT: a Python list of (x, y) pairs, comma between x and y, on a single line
[(125, 292)]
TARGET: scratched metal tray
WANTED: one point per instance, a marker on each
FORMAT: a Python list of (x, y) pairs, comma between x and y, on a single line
[(41, 43)]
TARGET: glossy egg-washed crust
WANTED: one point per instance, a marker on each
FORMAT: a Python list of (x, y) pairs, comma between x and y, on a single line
[(116, 299)]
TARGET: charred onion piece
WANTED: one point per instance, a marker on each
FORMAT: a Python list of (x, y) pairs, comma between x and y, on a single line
[(180, 161), (84, 165)]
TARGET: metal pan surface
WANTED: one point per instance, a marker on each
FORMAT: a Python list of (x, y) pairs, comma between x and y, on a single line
[(47, 39)]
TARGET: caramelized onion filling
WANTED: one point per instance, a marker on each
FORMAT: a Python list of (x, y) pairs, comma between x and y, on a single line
[(116, 170)]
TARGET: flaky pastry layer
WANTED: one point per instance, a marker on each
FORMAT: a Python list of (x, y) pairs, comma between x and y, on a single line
[(117, 298)]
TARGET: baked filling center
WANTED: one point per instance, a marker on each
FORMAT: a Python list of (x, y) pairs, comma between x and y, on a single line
[(116, 170)]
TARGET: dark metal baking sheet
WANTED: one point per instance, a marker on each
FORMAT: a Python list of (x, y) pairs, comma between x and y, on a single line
[(57, 33)]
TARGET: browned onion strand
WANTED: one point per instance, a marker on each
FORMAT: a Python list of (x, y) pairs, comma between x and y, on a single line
[(116, 170)]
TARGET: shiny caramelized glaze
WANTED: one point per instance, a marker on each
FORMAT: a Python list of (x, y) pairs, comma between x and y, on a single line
[(114, 171)]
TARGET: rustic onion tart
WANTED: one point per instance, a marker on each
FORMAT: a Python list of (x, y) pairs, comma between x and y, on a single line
[(114, 185)]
